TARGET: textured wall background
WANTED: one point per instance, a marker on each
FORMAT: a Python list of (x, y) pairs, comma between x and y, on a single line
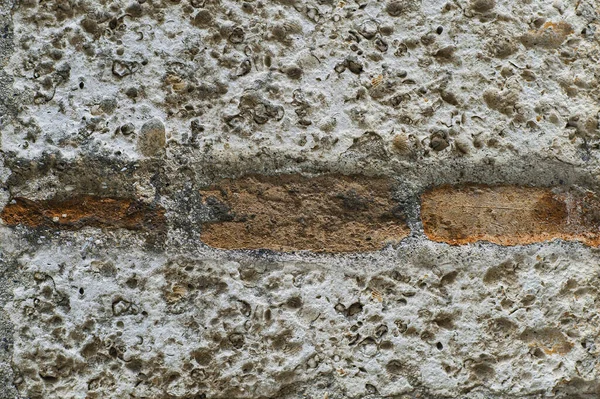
[(261, 199)]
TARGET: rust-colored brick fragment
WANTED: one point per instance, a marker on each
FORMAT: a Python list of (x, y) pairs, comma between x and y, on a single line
[(509, 215), (84, 210), (331, 213)]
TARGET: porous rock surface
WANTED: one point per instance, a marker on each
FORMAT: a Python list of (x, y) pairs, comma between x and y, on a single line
[(120, 122)]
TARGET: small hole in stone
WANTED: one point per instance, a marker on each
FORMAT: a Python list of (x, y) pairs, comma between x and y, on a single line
[(81, 291), (439, 30), (81, 85), (539, 353), (246, 368), (439, 346)]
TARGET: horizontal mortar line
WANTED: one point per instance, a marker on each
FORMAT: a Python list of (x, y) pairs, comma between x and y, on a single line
[(340, 214)]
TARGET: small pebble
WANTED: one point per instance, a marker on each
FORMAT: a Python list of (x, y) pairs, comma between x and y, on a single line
[(127, 129), (152, 138)]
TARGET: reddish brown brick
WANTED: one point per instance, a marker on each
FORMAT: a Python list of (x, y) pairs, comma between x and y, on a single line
[(84, 210), (330, 213), (509, 215)]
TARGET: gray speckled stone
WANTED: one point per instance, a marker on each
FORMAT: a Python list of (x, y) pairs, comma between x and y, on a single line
[(152, 138), (423, 92)]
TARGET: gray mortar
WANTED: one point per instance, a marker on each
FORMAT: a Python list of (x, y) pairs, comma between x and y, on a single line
[(292, 95)]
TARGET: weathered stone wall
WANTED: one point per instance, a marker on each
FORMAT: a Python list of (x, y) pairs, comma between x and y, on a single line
[(285, 199)]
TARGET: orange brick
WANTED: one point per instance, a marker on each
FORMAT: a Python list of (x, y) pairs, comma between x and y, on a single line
[(83, 210), (509, 215), (330, 213)]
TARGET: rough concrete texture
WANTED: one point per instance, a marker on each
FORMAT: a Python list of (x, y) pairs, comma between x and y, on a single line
[(154, 102)]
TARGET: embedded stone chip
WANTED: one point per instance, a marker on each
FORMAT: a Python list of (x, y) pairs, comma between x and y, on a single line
[(152, 139)]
